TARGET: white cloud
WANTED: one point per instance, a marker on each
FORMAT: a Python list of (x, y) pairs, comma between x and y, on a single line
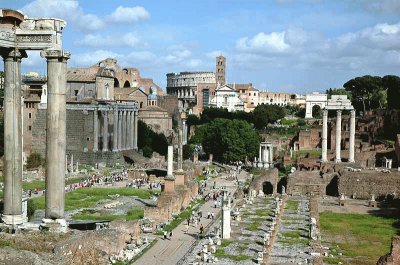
[(128, 14), (68, 10), (89, 58), (99, 41), (391, 7), (268, 43)]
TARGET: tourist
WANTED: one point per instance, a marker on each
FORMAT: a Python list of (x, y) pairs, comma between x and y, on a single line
[(170, 235), (212, 215), (165, 234), (201, 229)]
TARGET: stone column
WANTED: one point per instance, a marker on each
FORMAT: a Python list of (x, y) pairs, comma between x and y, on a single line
[(115, 131), (352, 135), (56, 132), (71, 164), (129, 130), (180, 150), (226, 216), (170, 164), (132, 121), (105, 130), (185, 131), (119, 130), (260, 158), (12, 214), (324, 153), (271, 154), (338, 135), (95, 131), (123, 132), (135, 137)]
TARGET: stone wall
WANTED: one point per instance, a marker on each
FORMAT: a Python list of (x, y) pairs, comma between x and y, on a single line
[(79, 138), (269, 175), (393, 258), (369, 182)]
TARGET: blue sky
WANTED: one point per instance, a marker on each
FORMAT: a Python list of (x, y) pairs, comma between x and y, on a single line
[(278, 45)]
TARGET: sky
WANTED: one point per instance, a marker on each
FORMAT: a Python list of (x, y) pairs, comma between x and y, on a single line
[(296, 46)]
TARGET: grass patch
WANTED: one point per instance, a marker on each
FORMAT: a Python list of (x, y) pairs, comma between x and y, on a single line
[(88, 197), (226, 243), (329, 260), (220, 253), (294, 241), (292, 234), (133, 214), (262, 212), (4, 243), (200, 178), (363, 236), (254, 226), (292, 205)]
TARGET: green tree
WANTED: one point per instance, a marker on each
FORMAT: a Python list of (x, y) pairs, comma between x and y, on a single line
[(35, 160), (392, 84), (338, 91), (150, 141), (367, 92), (264, 114), (230, 140)]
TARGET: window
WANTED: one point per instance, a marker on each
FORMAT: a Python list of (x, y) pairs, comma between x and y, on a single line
[(30, 115), (29, 128)]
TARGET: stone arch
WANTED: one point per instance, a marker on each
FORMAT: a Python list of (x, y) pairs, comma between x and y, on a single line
[(267, 175), (315, 99), (282, 183), (116, 82), (317, 111), (267, 188), (127, 84)]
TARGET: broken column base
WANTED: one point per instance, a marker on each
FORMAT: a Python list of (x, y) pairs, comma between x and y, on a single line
[(13, 219), (373, 204), (57, 225), (342, 202)]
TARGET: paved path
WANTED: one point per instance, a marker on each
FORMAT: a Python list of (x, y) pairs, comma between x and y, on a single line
[(169, 252)]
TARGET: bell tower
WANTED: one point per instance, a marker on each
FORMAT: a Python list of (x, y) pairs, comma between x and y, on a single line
[(220, 70)]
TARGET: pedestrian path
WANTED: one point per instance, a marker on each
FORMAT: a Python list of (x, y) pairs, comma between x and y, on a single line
[(170, 251)]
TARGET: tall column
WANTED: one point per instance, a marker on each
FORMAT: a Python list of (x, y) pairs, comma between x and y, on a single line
[(95, 131), (12, 214), (260, 158), (180, 150), (105, 130), (170, 164), (271, 154), (56, 132), (124, 130), (185, 131), (115, 131), (132, 123), (324, 153), (338, 135), (135, 137), (128, 130), (226, 216), (352, 135), (119, 130)]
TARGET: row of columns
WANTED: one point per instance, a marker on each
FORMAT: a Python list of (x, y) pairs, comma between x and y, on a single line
[(185, 92), (338, 137), (55, 134), (125, 130)]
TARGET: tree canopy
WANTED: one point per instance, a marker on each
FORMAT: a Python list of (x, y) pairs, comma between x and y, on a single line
[(264, 114), (230, 140), (151, 141), (392, 84)]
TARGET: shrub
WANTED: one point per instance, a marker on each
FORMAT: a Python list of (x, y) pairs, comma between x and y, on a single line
[(34, 160)]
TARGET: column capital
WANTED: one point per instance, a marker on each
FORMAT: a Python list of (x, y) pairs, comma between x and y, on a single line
[(55, 54), (339, 111), (13, 54)]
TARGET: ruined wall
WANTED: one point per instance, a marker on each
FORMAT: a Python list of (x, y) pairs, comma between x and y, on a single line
[(269, 175), (79, 138), (307, 182), (393, 258), (369, 182)]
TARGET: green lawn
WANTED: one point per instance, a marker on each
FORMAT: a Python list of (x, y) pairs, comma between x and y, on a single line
[(88, 197), (133, 214), (292, 205), (361, 238)]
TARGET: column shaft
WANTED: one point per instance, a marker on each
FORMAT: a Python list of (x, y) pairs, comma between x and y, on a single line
[(105, 130), (124, 130), (119, 130), (115, 131), (352, 135), (135, 137), (324, 154), (129, 130), (338, 135), (12, 138), (56, 132), (95, 131)]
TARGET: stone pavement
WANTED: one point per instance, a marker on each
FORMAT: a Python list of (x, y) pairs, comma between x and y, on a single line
[(168, 252)]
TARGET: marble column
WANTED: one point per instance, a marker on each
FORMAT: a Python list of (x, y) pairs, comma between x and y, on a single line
[(95, 131), (170, 165), (56, 132), (105, 130), (132, 122), (124, 130), (352, 135), (226, 216), (129, 130), (12, 214), (180, 150), (260, 158), (115, 131), (338, 135), (119, 130), (135, 137), (324, 153), (185, 131), (271, 154)]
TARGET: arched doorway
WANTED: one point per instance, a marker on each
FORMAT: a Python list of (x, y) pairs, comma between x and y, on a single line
[(267, 187), (127, 84), (317, 112), (282, 183)]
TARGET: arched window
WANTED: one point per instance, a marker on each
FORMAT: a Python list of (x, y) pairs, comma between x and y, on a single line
[(127, 84), (116, 82)]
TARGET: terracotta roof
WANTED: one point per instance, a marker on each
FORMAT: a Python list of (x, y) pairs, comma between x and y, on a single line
[(82, 74)]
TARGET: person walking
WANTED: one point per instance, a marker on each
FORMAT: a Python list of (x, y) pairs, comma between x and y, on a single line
[(201, 229)]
